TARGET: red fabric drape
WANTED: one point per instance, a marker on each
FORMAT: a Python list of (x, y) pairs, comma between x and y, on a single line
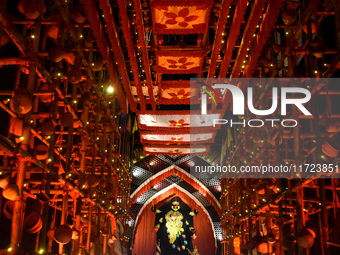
[(181, 175), (145, 238)]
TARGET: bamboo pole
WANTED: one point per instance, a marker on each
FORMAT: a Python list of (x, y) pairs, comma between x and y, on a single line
[(64, 211)]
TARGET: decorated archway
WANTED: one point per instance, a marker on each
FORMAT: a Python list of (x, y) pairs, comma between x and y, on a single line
[(206, 239), (156, 179)]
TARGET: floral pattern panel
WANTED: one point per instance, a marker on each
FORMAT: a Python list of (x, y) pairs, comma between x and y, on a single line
[(177, 120), (180, 17), (176, 138), (175, 149), (179, 62), (178, 92)]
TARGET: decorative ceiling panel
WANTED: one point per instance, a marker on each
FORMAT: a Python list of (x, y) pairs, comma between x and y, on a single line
[(180, 17), (175, 149), (172, 120), (163, 137), (179, 62), (178, 92)]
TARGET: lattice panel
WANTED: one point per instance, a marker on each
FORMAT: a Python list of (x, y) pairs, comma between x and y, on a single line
[(145, 196), (201, 198), (139, 174), (174, 179)]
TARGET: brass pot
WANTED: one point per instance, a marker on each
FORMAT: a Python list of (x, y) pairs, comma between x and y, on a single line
[(11, 192), (331, 148), (63, 234), (33, 223)]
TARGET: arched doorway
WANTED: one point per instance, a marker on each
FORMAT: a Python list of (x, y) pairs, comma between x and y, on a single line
[(156, 179)]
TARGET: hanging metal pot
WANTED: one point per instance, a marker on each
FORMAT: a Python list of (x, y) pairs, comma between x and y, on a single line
[(43, 199), (4, 39), (75, 234), (33, 223), (262, 246), (116, 153), (48, 98), (41, 151), (63, 234), (288, 243), (8, 209), (74, 75), (22, 101), (66, 119), (289, 17), (330, 147), (317, 47), (52, 31), (305, 239), (11, 192), (57, 54), (4, 180), (78, 16), (16, 126), (92, 180), (98, 65), (47, 127), (333, 126), (31, 9), (50, 233), (313, 26)]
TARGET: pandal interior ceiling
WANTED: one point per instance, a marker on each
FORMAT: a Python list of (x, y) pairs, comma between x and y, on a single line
[(90, 88)]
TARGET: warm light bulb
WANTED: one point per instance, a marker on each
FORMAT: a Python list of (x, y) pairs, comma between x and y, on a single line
[(110, 89)]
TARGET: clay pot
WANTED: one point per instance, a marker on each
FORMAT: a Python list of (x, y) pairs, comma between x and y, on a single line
[(41, 151), (88, 43), (116, 153), (317, 47), (306, 238), (331, 148), (92, 180), (78, 16), (50, 234), (73, 175), (66, 119), (5, 39), (52, 31), (63, 234), (289, 17), (313, 25), (33, 223), (104, 231), (22, 101), (57, 54), (278, 48), (333, 126), (30, 9), (11, 192), (251, 244), (43, 199), (98, 65), (8, 209), (288, 243), (75, 234), (47, 98), (262, 246), (74, 75), (47, 127), (86, 96), (4, 181), (271, 237), (108, 126)]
